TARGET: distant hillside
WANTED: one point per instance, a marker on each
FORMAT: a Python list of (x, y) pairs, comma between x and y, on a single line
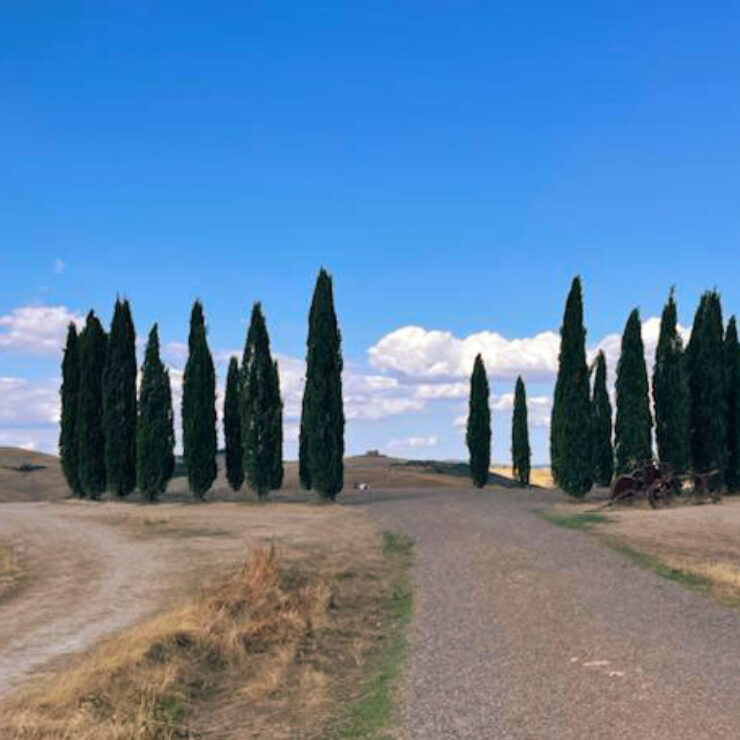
[(33, 476)]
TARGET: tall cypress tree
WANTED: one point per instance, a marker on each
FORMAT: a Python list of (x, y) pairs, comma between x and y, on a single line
[(90, 433), (570, 428), (322, 420), (70, 391), (732, 380), (478, 436), (706, 373), (632, 430), (261, 410), (276, 477), (119, 402), (601, 426), (520, 451), (671, 392), (233, 428), (199, 408), (155, 433)]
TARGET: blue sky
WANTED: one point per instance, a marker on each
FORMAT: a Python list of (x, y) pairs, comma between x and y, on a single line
[(453, 164)]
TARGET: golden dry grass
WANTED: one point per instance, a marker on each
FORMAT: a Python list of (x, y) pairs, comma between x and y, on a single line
[(9, 571), (141, 684), (702, 541), (537, 476)]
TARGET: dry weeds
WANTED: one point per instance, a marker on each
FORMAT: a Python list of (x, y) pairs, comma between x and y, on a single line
[(9, 571)]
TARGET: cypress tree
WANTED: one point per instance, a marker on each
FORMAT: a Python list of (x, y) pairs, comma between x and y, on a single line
[(155, 434), (570, 428), (276, 478), (706, 373), (670, 392), (90, 433), (199, 408), (601, 426), (70, 401), (261, 410), (478, 436), (520, 451), (732, 379), (322, 419), (632, 430), (119, 402), (233, 428)]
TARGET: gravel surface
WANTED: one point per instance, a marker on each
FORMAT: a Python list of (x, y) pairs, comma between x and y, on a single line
[(523, 629)]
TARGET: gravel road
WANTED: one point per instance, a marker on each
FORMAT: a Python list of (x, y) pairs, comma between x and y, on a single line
[(523, 629)]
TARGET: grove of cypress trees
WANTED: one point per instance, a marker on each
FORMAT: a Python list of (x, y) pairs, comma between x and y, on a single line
[(322, 420), (155, 434), (119, 402), (90, 433), (68, 440), (261, 410), (732, 380), (199, 408), (520, 451), (570, 428), (671, 392), (706, 375), (478, 436), (233, 428), (632, 430), (601, 426)]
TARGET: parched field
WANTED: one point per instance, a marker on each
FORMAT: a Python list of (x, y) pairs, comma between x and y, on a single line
[(701, 542), (133, 581)]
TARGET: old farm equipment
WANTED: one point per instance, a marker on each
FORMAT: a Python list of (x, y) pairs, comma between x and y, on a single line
[(660, 486)]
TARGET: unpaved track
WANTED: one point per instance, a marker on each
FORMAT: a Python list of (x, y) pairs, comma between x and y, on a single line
[(84, 581), (523, 629)]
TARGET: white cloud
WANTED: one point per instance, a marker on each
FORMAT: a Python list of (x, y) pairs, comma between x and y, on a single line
[(415, 352), (59, 266), (36, 329), (413, 442), (28, 403)]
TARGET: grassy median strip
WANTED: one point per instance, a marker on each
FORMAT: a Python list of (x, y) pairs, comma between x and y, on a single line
[(371, 714), (581, 520)]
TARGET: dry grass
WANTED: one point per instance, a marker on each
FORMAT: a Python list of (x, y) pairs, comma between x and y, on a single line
[(9, 571), (274, 650), (141, 684), (701, 542), (537, 476)]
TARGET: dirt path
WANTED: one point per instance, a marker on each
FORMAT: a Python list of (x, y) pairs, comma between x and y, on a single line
[(84, 581), (526, 630)]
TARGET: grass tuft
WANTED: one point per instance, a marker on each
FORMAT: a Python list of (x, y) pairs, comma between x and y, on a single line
[(369, 717), (582, 520)]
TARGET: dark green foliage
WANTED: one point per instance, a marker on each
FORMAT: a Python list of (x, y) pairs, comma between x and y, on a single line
[(671, 392), (706, 373), (199, 408), (601, 426), (233, 428), (322, 420), (90, 434), (633, 427), (155, 434), (261, 410), (276, 479), (68, 443), (732, 380), (520, 451), (119, 402), (570, 428), (478, 436)]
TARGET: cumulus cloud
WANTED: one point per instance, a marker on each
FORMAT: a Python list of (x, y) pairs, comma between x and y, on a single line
[(28, 403), (36, 329), (424, 354)]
